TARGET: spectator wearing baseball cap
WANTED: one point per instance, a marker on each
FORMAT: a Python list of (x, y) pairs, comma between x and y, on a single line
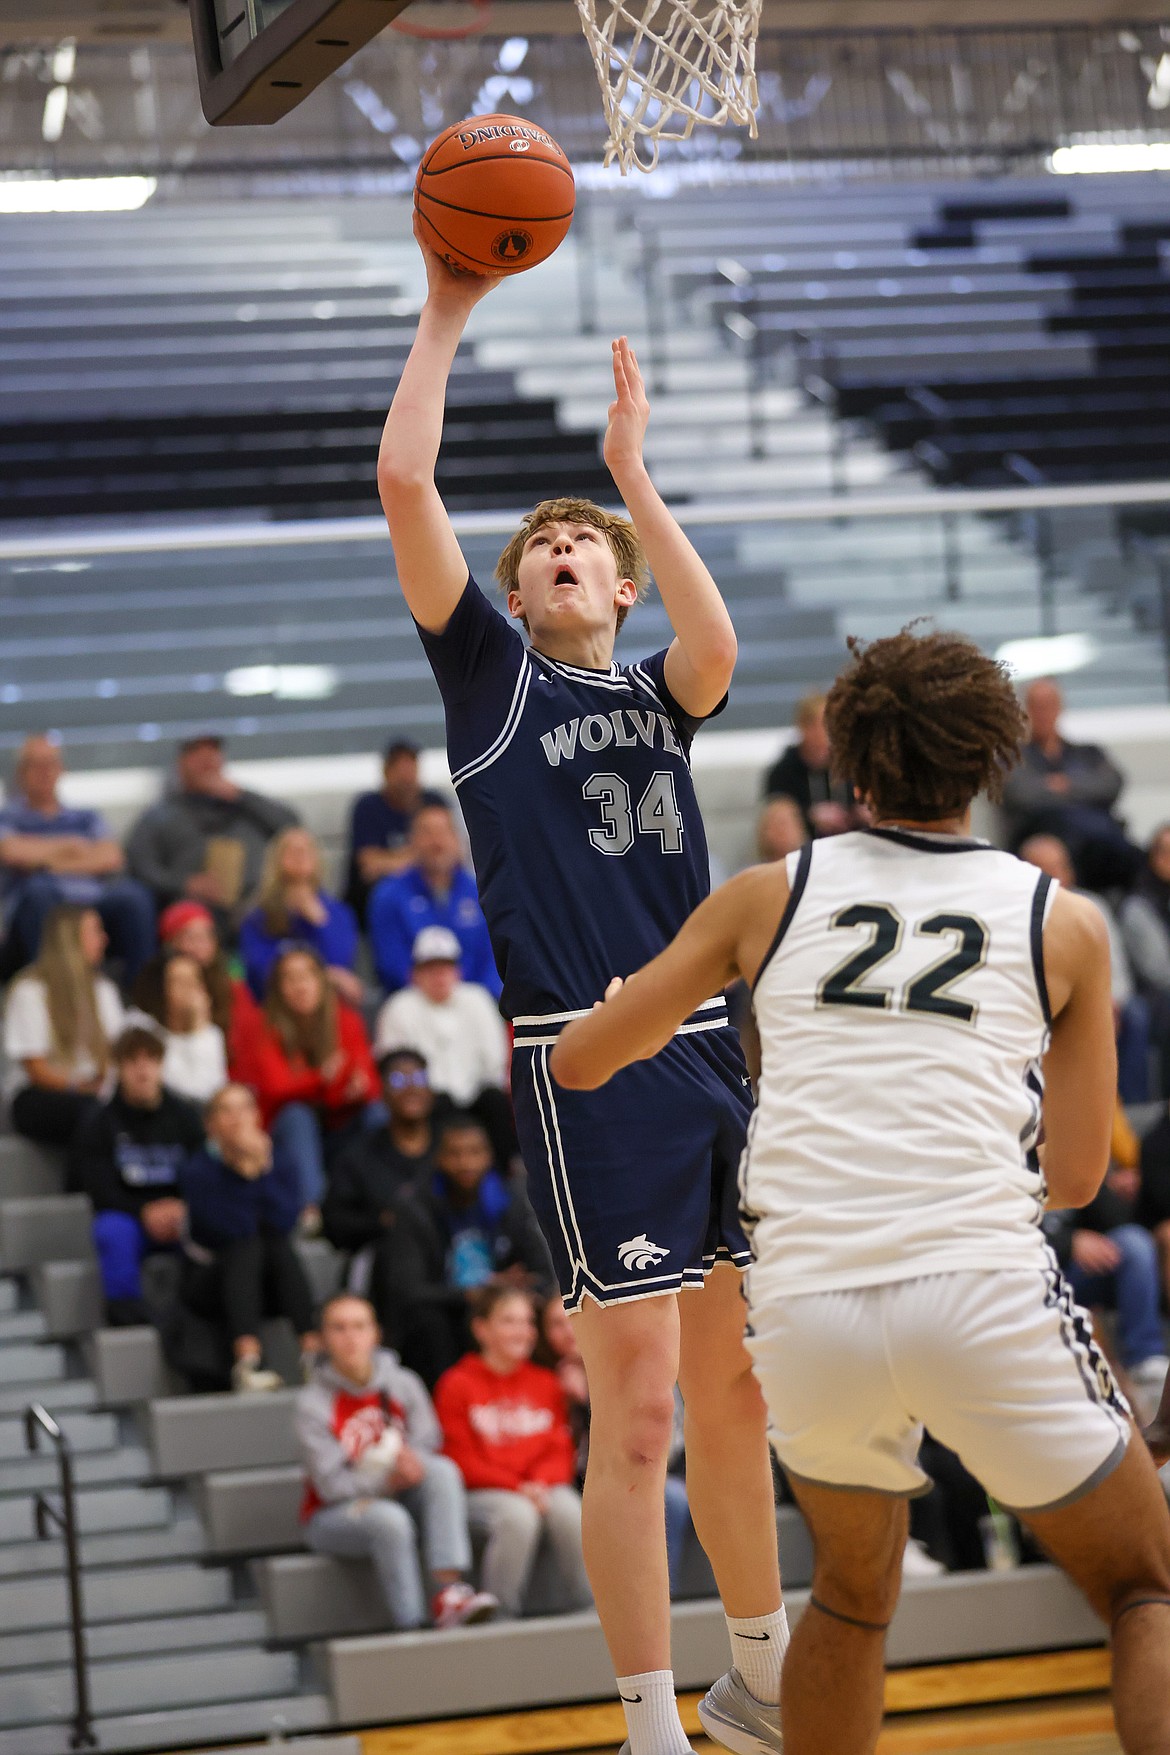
[(379, 831), (455, 1027), (189, 928), (378, 1168), (206, 839)]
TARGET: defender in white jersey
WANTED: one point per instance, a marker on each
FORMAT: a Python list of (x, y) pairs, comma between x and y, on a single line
[(938, 1065)]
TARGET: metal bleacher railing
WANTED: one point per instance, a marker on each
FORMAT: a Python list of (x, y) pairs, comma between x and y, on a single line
[(290, 637)]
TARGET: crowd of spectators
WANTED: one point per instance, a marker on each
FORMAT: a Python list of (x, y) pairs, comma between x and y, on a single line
[(235, 1059)]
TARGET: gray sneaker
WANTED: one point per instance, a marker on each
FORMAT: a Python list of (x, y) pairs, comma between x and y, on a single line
[(735, 1718)]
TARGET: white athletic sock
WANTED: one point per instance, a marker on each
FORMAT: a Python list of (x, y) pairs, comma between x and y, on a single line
[(652, 1714), (758, 1644)]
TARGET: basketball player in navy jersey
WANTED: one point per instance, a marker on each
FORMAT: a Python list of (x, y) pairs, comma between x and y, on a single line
[(924, 1002), (574, 781)]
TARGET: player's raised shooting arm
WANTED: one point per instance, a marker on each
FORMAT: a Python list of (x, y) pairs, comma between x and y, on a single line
[(702, 656), (727, 935), (1080, 1068), (431, 569)]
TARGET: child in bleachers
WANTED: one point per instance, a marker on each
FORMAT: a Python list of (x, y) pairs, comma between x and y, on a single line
[(243, 1201), (295, 907), (195, 1063), (61, 1016), (505, 1422), (310, 1066), (128, 1157), (376, 1487)]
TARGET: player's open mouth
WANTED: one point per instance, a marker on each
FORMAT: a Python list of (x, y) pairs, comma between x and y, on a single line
[(565, 576)]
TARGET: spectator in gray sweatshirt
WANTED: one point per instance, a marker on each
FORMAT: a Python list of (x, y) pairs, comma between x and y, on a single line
[(205, 842), (375, 1486)]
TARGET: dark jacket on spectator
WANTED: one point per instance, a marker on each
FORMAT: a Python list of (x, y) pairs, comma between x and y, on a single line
[(1093, 782), (423, 1236), (791, 777), (369, 1179), (224, 1207), (125, 1157)]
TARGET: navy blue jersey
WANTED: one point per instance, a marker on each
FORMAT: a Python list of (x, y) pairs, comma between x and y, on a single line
[(576, 789)]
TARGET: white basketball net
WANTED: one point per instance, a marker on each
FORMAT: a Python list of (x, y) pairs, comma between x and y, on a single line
[(664, 65)]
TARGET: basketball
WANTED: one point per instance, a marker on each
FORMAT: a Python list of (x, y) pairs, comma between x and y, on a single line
[(494, 195)]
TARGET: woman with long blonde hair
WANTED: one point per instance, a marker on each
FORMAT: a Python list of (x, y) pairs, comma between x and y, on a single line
[(295, 908), (61, 1016), (311, 1068)]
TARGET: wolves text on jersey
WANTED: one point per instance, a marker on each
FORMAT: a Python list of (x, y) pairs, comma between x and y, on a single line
[(624, 727)]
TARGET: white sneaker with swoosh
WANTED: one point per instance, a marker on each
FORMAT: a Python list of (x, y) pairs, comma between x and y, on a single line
[(732, 1716)]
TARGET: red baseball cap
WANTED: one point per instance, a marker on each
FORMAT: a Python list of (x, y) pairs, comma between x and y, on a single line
[(181, 914)]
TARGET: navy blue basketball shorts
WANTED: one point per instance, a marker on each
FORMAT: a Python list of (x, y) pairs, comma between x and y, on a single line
[(635, 1184)]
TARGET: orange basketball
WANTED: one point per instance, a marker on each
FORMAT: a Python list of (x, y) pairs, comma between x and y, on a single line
[(494, 194)]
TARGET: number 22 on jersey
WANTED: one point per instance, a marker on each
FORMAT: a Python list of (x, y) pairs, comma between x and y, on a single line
[(933, 991)]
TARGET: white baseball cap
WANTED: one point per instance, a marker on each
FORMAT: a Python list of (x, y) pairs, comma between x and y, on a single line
[(436, 944)]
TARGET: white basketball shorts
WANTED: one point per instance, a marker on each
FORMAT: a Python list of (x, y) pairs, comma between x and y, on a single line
[(1001, 1367)]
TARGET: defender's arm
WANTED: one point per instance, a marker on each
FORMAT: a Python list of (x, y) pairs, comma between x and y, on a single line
[(726, 936), (1080, 1068), (702, 655), (431, 569)]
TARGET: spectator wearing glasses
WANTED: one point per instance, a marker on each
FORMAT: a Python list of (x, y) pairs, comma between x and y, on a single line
[(435, 889), (379, 833), (382, 1165), (52, 853), (294, 908), (455, 1026)]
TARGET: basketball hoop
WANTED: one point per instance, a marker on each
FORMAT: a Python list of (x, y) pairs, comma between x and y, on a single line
[(480, 10), (678, 62)]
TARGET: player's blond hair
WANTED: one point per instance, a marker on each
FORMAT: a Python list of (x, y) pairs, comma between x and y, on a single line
[(619, 533)]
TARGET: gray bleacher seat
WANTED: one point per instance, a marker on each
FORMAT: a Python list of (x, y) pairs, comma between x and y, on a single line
[(70, 1295), (34, 1229), (192, 1435), (28, 1170), (250, 1511)]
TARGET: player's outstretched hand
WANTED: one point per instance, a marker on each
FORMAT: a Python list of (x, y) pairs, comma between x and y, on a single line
[(448, 287), (629, 412)]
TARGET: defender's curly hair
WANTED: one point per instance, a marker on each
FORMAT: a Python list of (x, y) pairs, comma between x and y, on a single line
[(922, 722)]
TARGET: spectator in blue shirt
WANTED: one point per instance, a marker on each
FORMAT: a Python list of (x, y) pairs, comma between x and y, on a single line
[(436, 889), (295, 909), (50, 854), (379, 835)]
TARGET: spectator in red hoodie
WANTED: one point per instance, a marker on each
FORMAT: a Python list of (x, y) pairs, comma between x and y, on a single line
[(311, 1068), (506, 1424)]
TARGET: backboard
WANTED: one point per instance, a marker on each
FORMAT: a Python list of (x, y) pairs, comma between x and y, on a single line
[(258, 59)]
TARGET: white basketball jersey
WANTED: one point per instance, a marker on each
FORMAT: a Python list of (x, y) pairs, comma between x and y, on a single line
[(902, 1014)]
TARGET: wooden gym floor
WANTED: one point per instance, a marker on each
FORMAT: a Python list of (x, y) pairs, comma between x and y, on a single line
[(1051, 1704)]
